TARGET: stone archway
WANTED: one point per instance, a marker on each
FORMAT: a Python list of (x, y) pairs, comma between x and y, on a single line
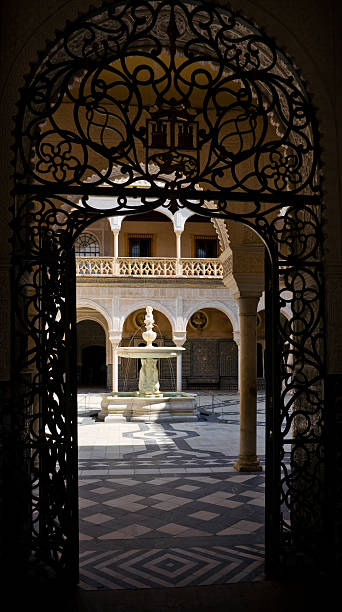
[(249, 149)]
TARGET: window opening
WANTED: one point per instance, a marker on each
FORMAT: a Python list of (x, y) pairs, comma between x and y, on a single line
[(87, 245), (205, 246), (139, 245)]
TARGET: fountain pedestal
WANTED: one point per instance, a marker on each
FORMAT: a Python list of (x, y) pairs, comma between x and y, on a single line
[(148, 404), (122, 407)]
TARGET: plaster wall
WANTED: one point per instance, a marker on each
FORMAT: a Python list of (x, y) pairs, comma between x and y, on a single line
[(163, 236)]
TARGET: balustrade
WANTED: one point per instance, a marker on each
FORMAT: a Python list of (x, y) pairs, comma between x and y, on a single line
[(148, 267)]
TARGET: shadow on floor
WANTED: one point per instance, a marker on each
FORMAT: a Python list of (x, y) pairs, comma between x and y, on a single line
[(268, 596)]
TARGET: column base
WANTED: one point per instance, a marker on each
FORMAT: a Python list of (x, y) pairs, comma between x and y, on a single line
[(248, 463)]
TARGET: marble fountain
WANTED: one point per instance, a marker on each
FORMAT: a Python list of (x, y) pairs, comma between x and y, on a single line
[(148, 403)]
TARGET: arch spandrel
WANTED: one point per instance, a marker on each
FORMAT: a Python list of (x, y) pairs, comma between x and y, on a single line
[(89, 309)]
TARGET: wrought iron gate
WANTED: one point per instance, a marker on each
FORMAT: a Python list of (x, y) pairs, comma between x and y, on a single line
[(147, 104)]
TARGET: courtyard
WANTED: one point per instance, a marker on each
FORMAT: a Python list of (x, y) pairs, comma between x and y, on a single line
[(161, 504)]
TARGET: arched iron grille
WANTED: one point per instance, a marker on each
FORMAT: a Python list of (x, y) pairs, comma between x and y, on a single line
[(87, 245), (147, 104)]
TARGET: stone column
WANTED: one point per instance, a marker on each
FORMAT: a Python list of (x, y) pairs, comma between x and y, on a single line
[(179, 338), (115, 339), (247, 460), (116, 250), (178, 252), (237, 342), (179, 372), (115, 374)]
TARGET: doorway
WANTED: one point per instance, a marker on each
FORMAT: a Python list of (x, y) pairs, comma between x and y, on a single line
[(194, 127), (93, 372), (91, 356)]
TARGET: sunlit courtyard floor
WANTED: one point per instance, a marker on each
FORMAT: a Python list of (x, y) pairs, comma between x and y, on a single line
[(161, 504)]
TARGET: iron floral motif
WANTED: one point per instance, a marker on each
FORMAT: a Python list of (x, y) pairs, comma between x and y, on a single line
[(282, 170), (212, 103), (57, 160)]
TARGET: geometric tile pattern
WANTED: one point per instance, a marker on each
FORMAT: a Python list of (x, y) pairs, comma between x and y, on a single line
[(139, 568), (168, 511), (196, 504)]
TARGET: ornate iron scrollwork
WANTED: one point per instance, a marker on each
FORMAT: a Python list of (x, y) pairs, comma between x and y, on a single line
[(216, 98), (177, 104)]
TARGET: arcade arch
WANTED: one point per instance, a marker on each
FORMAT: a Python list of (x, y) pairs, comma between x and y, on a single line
[(92, 355), (230, 312), (211, 360), (167, 316), (88, 308), (128, 369)]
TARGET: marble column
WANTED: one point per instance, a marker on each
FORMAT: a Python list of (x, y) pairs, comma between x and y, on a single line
[(179, 337), (247, 460), (178, 252), (115, 368), (116, 250), (179, 372), (237, 342)]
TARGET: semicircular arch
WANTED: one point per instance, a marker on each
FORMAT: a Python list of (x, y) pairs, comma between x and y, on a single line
[(229, 312), (142, 305), (89, 309)]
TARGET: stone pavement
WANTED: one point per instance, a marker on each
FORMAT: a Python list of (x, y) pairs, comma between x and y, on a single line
[(161, 504)]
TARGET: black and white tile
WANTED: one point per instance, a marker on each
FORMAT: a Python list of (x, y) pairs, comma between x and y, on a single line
[(164, 506)]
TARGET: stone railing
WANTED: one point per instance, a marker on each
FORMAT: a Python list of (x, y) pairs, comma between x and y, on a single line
[(201, 267), (148, 267)]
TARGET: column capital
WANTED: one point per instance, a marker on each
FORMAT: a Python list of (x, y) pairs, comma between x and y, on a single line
[(179, 337), (248, 303), (115, 338), (115, 224)]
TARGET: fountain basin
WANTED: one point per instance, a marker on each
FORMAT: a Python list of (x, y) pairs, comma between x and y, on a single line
[(119, 407), (148, 403), (148, 352)]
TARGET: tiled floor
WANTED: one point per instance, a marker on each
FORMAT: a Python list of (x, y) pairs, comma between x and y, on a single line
[(161, 504)]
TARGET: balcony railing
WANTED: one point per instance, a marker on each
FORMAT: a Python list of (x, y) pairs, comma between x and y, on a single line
[(148, 267)]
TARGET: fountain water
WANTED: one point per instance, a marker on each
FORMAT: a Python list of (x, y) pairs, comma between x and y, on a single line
[(148, 403)]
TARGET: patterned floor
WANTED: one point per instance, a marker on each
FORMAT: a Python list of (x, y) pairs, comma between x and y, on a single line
[(161, 505)]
